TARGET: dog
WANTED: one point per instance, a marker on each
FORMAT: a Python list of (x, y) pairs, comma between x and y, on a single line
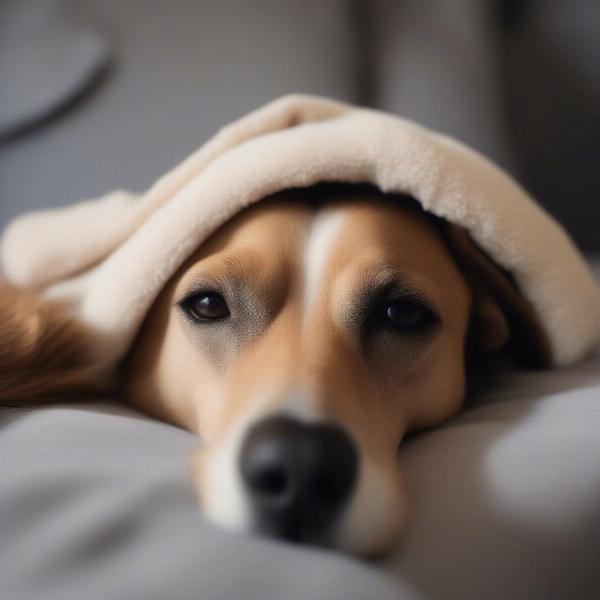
[(302, 342)]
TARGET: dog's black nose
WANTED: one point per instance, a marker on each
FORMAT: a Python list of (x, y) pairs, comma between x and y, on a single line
[(298, 476)]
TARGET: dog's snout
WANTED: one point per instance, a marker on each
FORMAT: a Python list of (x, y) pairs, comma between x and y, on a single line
[(298, 476)]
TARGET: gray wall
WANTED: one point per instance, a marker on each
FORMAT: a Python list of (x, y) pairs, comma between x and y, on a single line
[(526, 94)]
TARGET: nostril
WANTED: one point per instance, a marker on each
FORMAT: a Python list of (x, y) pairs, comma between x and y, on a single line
[(271, 481), (267, 469)]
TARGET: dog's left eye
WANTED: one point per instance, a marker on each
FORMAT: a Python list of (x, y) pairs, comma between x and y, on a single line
[(206, 306), (407, 315)]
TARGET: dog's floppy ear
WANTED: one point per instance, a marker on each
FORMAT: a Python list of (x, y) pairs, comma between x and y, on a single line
[(44, 353), (501, 316), (490, 330)]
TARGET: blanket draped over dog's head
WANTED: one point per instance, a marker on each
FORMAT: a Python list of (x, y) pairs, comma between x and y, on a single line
[(110, 257)]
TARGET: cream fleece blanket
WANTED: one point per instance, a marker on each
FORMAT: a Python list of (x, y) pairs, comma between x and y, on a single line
[(111, 256)]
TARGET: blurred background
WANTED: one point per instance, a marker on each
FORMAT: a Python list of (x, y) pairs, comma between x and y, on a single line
[(104, 94)]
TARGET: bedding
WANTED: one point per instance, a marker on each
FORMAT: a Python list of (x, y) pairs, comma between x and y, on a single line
[(95, 503)]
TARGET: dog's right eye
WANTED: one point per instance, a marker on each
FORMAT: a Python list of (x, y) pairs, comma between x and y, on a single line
[(407, 315), (206, 306), (401, 311)]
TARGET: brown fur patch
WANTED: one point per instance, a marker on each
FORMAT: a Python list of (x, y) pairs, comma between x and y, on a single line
[(43, 352)]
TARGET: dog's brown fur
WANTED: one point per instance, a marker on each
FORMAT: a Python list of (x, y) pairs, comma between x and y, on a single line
[(43, 352)]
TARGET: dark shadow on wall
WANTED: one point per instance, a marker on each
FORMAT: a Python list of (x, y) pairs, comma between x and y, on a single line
[(551, 97)]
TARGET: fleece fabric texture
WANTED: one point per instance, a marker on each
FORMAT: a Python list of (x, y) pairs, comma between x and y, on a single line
[(110, 257)]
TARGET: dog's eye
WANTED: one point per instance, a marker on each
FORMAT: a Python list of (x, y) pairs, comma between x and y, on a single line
[(407, 315), (206, 306)]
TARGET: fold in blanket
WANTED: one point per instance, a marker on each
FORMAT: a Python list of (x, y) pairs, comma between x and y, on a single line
[(110, 257)]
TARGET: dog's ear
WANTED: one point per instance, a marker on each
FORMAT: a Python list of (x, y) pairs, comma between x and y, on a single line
[(44, 354), (501, 316), (489, 330)]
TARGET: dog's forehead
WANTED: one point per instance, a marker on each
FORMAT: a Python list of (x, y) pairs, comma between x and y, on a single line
[(355, 235), (367, 227), (273, 229)]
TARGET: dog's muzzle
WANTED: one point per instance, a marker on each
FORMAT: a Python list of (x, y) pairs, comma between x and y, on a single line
[(298, 477)]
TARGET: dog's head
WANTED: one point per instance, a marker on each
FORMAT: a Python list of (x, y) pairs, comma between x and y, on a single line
[(302, 341)]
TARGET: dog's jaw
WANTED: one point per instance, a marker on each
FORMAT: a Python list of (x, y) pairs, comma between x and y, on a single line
[(372, 522)]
